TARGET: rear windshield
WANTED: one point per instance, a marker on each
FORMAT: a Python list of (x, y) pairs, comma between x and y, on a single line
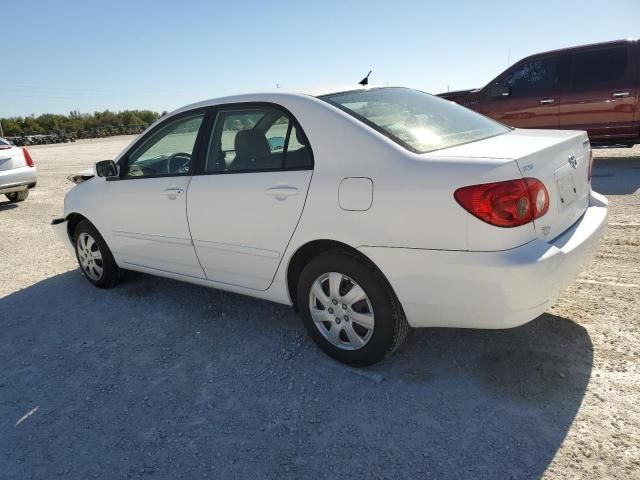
[(3, 142), (416, 120)]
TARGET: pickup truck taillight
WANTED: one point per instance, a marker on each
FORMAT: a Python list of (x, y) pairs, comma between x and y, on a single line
[(590, 163), (505, 204), (27, 157)]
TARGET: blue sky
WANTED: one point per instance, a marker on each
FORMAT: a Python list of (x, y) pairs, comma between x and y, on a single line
[(89, 55)]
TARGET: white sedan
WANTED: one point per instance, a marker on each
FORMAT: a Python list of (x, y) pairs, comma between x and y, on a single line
[(17, 172), (369, 211)]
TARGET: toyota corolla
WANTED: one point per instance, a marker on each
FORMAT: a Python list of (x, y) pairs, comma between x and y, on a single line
[(369, 211)]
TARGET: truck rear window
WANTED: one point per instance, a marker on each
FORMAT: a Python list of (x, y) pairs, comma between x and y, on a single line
[(416, 120)]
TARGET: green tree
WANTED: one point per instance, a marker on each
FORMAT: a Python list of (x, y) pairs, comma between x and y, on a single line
[(31, 125), (76, 122), (11, 127)]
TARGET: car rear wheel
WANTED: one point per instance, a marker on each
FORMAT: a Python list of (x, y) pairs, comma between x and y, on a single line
[(349, 309), (95, 258), (20, 196)]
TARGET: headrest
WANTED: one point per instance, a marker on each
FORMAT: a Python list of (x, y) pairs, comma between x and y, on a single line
[(251, 144)]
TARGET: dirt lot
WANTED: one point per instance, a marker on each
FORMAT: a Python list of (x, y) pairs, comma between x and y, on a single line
[(159, 379)]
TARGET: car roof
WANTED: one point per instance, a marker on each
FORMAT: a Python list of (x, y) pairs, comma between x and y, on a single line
[(276, 96), (587, 46), (270, 97)]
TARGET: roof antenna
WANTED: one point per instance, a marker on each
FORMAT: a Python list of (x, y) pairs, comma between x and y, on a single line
[(365, 81)]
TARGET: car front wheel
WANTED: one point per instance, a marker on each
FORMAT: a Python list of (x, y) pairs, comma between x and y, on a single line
[(349, 310), (95, 258)]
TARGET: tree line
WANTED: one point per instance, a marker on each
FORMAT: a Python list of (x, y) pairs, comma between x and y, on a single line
[(76, 122)]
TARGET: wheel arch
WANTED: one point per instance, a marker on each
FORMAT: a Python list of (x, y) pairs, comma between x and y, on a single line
[(73, 219), (111, 274), (306, 252)]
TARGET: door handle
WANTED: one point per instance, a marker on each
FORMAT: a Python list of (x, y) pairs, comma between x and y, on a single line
[(173, 193), (547, 101), (622, 94), (282, 192)]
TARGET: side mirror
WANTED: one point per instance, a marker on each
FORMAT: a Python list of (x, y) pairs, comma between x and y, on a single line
[(276, 143), (106, 168), (500, 90)]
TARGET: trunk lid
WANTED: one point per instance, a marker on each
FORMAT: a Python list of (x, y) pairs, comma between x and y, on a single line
[(558, 158), (563, 167)]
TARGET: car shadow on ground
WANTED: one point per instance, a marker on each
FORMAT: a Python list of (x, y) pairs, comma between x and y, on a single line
[(7, 205), (616, 175), (164, 378)]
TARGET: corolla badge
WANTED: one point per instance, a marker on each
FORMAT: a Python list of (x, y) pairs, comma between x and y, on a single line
[(572, 161)]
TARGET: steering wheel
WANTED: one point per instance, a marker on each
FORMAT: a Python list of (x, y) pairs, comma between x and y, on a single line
[(179, 162)]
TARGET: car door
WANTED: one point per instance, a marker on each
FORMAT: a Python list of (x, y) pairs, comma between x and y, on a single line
[(245, 206), (145, 210), (600, 97), (526, 95)]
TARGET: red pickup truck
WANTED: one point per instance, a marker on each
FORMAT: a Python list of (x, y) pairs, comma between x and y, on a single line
[(593, 87)]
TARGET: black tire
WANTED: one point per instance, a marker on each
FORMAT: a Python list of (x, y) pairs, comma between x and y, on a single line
[(390, 328), (110, 271), (20, 196)]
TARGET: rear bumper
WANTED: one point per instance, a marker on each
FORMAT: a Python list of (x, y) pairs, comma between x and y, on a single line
[(59, 226), (490, 289), (17, 179)]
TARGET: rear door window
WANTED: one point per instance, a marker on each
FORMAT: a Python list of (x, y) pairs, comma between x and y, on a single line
[(256, 139), (238, 143), (298, 153), (604, 68)]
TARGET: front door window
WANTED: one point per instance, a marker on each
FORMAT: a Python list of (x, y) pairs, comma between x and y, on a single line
[(169, 152)]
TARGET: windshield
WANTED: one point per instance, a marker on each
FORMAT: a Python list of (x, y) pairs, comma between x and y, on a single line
[(3, 141), (416, 120)]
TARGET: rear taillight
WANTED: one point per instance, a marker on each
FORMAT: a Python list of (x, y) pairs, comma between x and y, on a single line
[(27, 157), (505, 204), (590, 163)]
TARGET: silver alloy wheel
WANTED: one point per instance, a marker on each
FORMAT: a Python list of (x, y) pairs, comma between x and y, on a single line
[(341, 311), (89, 256)]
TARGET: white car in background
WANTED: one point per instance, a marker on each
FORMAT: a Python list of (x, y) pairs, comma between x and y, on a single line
[(17, 172), (369, 211)]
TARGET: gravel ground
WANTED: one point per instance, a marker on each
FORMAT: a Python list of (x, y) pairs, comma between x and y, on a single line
[(160, 379)]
